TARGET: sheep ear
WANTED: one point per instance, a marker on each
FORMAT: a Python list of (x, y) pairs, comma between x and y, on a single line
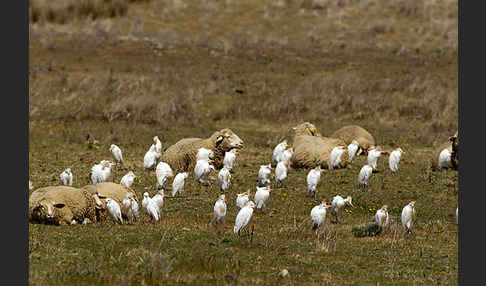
[(101, 196), (219, 139), (59, 206)]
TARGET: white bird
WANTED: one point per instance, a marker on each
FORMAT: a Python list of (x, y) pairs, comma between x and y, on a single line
[(117, 153), (318, 215), (158, 146), (67, 177), (339, 202), (101, 172), (150, 158), (261, 196), (178, 183), (128, 179), (373, 155), (381, 216), (242, 199), (229, 158), (287, 155), (264, 174), (243, 217), (457, 215), (202, 170), (352, 149), (134, 208), (204, 154), (163, 172), (224, 178), (408, 214), (278, 150), (127, 208), (158, 198), (394, 159), (335, 157), (313, 178), (219, 210), (150, 207), (445, 159), (281, 172), (114, 210), (31, 187), (365, 175)]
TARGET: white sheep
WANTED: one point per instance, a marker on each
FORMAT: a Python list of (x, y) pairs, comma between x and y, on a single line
[(128, 179), (162, 172), (117, 153), (264, 174), (67, 177), (178, 183), (224, 178)]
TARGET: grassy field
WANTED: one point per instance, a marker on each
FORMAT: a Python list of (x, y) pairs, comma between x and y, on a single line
[(187, 68)]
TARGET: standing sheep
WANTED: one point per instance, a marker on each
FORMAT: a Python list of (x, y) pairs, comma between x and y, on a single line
[(63, 205), (182, 155)]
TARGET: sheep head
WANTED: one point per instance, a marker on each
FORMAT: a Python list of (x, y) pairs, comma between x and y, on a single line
[(226, 140), (306, 128), (46, 208)]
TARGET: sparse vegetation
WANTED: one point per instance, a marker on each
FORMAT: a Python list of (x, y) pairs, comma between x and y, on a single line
[(185, 68)]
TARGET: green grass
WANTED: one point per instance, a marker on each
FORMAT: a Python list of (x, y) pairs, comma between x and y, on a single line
[(184, 248)]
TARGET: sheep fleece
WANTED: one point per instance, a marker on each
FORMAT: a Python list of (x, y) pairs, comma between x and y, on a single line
[(354, 132), (310, 151), (79, 204)]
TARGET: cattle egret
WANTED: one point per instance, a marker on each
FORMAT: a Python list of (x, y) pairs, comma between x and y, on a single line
[(339, 202), (261, 196), (457, 215), (150, 158), (335, 157), (114, 210), (243, 217), (127, 207), (134, 208), (281, 172), (352, 149), (287, 155), (229, 158), (219, 210), (373, 155), (31, 187), (365, 175), (101, 172), (278, 150), (158, 146), (202, 170), (394, 159), (204, 154), (408, 213), (445, 159), (318, 215), (224, 178), (163, 172), (67, 177), (128, 179), (381, 216), (158, 198), (150, 207), (117, 153), (178, 183), (242, 199), (264, 174), (313, 178)]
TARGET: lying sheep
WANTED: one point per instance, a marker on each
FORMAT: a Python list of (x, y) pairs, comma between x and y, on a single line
[(305, 128), (63, 205), (359, 134), (312, 151), (182, 155), (111, 190)]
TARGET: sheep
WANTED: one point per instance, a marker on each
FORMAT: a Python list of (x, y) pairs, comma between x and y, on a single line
[(311, 151), (63, 205), (305, 128), (182, 155), (359, 134), (111, 190)]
